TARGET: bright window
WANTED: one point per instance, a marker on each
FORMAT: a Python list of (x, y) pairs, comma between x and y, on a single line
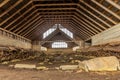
[(66, 31), (59, 45), (49, 31)]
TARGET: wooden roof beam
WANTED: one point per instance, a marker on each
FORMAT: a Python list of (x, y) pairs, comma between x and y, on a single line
[(37, 30), (91, 24), (100, 13), (25, 27), (26, 18), (22, 15), (10, 8), (12, 15), (84, 26), (90, 28), (32, 28), (60, 4), (77, 11), (4, 2), (114, 4), (90, 18), (95, 17), (82, 29), (87, 21), (82, 33), (27, 22), (100, 5)]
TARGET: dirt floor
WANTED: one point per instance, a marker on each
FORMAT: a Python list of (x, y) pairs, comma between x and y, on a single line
[(25, 74)]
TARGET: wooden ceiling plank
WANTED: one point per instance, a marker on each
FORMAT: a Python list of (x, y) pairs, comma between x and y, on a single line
[(60, 4), (114, 4), (48, 25), (22, 15), (27, 22), (83, 25), (90, 18), (80, 33), (95, 17), (10, 8), (100, 13), (83, 19), (77, 11), (90, 28), (4, 2), (87, 21), (26, 18), (13, 14), (83, 30), (100, 5), (40, 31), (32, 28), (41, 25)]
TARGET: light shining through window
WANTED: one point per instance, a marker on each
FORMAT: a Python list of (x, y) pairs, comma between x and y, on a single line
[(59, 45), (49, 31), (65, 30)]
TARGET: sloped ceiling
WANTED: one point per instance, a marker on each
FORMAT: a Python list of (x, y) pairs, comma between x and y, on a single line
[(59, 37), (85, 18)]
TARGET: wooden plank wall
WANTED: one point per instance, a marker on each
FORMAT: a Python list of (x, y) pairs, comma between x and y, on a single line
[(110, 35)]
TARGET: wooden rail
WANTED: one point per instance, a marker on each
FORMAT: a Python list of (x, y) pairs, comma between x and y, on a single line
[(13, 35)]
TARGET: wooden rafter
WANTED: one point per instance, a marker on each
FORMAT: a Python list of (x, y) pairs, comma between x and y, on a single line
[(28, 25), (100, 5), (12, 15), (32, 28), (22, 15), (4, 2), (81, 29), (10, 8), (27, 22), (100, 13), (114, 4), (95, 17), (25, 19)]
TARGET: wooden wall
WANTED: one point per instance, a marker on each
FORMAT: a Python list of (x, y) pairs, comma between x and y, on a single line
[(109, 35)]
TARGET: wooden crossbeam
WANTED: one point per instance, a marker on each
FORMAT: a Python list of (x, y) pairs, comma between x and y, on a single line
[(27, 22), (10, 8), (77, 11), (95, 17), (25, 19), (83, 34), (90, 28), (60, 4), (4, 2), (100, 13), (87, 21), (13, 15), (32, 28), (114, 4), (22, 15), (106, 9), (80, 28), (84, 26), (79, 33), (27, 26)]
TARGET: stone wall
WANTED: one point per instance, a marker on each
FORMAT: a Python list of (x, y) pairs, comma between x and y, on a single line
[(7, 41)]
